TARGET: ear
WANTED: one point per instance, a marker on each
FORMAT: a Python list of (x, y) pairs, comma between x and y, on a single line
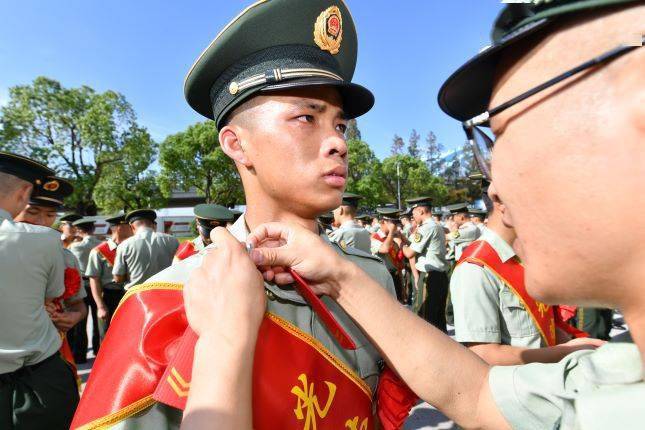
[(231, 143)]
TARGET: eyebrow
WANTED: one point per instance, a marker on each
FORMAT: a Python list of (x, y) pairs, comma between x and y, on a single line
[(318, 107)]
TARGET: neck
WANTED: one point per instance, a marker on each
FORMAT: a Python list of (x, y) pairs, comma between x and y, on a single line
[(495, 224), (260, 211), (344, 219), (635, 319)]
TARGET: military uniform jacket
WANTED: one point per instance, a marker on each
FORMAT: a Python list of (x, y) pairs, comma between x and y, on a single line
[(429, 243), (352, 234), (71, 262), (464, 236), (586, 390), (31, 270), (486, 310), (82, 249), (98, 266), (144, 255), (283, 303)]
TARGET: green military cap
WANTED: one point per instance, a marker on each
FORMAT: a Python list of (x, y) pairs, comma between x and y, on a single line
[(51, 191), (24, 168), (139, 214), (467, 92), (116, 220), (477, 212), (351, 199), (276, 45), (84, 221), (458, 208), (212, 215), (364, 217), (419, 201), (437, 212), (391, 214), (236, 214), (70, 218), (326, 218), (406, 213)]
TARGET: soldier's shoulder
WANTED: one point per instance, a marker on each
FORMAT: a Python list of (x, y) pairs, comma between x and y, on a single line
[(179, 272), (356, 255)]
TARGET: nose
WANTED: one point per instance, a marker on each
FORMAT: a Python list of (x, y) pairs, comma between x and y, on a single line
[(335, 145)]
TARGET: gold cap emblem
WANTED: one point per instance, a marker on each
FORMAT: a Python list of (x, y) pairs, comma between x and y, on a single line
[(51, 186), (328, 30)]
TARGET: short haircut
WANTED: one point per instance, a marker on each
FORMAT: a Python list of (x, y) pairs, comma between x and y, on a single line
[(10, 183), (87, 228), (350, 209)]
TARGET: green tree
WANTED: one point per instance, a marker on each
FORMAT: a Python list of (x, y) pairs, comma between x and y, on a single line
[(414, 177), (77, 131), (352, 133), (192, 159), (433, 154), (364, 173), (397, 145)]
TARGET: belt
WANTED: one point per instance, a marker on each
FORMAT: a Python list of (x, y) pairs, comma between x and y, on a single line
[(6, 378)]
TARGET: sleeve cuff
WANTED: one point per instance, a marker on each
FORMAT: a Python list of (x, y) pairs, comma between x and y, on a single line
[(501, 380)]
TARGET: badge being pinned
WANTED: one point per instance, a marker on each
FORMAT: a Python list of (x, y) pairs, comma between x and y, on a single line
[(417, 237), (328, 30)]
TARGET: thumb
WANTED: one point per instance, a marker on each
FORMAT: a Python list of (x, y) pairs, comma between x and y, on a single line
[(271, 257)]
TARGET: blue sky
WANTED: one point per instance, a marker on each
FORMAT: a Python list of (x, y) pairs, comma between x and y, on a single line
[(143, 49)]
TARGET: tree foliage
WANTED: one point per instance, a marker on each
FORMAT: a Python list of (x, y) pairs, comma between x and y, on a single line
[(414, 177), (364, 173), (83, 134), (192, 159), (397, 145), (413, 144)]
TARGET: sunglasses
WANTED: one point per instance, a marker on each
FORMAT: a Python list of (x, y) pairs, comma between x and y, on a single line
[(482, 144)]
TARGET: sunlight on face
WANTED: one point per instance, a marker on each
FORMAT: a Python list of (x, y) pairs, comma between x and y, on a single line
[(38, 215)]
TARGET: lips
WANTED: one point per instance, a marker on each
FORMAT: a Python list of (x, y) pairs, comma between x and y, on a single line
[(336, 177)]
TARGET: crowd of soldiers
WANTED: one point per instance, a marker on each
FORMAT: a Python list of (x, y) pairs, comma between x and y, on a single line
[(289, 319)]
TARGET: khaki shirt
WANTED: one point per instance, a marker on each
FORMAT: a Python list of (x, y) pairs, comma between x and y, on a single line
[(82, 249), (485, 309), (587, 390), (31, 270), (429, 242), (352, 234), (99, 267), (464, 236), (144, 255), (289, 305)]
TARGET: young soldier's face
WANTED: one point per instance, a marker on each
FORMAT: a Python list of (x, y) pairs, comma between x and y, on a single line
[(38, 215), (295, 151), (566, 148)]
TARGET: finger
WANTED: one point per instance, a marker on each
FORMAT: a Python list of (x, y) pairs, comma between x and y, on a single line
[(272, 231), (272, 257), (283, 278), (223, 239)]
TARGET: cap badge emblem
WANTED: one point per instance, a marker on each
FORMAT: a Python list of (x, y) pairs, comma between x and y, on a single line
[(328, 30), (51, 186)]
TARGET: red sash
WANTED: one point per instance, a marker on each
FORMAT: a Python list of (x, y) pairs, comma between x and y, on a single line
[(106, 252), (512, 274), (396, 256), (307, 387), (185, 250)]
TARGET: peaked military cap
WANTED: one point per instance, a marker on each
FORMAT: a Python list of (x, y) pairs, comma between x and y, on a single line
[(364, 217), (437, 212), (211, 215), (70, 218), (138, 214), (236, 214), (116, 220), (84, 221), (351, 199), (467, 91), (419, 201), (51, 192), (391, 214), (275, 45), (458, 208), (326, 218), (477, 212), (24, 168)]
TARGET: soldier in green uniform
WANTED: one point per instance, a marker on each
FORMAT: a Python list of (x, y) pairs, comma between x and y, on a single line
[(68, 232), (349, 232), (144, 254), (81, 249), (326, 220), (428, 248), (463, 232), (207, 217), (386, 243), (477, 217), (285, 132), (106, 292), (595, 321), (557, 97), (37, 388), (46, 198)]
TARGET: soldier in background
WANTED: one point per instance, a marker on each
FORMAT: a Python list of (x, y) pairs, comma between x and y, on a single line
[(81, 249), (144, 254), (106, 292), (386, 244), (348, 231), (462, 232), (207, 217), (68, 232)]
